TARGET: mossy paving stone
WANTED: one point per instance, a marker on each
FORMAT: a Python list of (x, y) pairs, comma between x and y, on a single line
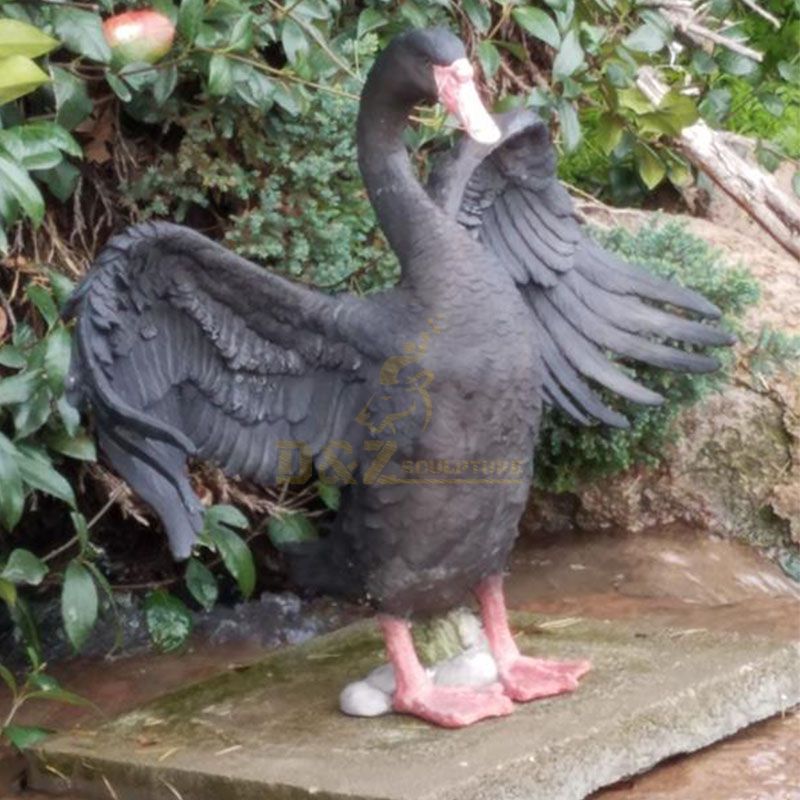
[(272, 731)]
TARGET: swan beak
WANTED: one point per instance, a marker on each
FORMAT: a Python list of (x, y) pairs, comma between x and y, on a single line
[(455, 84)]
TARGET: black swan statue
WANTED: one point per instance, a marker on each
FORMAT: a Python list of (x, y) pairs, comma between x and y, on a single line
[(423, 401)]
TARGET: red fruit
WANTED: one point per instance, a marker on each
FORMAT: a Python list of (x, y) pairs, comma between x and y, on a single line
[(139, 36)]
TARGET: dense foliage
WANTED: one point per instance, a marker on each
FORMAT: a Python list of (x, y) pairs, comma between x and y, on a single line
[(307, 215), (244, 130), (577, 61)]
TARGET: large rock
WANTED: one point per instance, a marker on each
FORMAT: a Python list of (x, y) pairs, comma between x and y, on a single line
[(271, 730)]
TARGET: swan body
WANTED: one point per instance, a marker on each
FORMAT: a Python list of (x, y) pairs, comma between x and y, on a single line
[(423, 402)]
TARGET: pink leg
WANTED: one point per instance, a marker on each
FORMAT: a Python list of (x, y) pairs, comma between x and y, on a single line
[(523, 678), (415, 693)]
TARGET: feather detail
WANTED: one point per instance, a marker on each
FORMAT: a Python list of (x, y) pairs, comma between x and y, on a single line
[(184, 348)]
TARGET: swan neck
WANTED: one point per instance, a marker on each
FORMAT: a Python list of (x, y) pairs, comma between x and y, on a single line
[(405, 212)]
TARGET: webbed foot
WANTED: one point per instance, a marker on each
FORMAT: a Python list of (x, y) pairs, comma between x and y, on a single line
[(453, 706), (525, 678)]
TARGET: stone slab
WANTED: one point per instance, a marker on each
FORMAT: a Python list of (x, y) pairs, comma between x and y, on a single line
[(272, 731)]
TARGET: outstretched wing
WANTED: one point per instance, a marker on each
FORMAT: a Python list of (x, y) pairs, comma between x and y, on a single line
[(184, 348), (584, 301)]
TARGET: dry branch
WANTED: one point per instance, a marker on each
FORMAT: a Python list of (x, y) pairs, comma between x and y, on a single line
[(753, 6), (755, 190), (685, 18)]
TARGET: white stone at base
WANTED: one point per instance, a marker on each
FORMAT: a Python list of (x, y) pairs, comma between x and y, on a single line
[(372, 696)]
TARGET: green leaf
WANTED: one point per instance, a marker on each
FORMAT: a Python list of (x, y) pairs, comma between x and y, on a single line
[(26, 625), (38, 145), (24, 736), (370, 19), (138, 75), (69, 416), (569, 58), (12, 493), (80, 447), (651, 167), (82, 32), (508, 103), (789, 72), (768, 156), (225, 515), (20, 39), (164, 84), (38, 472), (81, 529), (189, 18), (19, 183), (201, 583), (242, 34), (679, 173), (478, 14), (9, 208), (619, 74), (594, 36), (287, 97), (609, 132), (61, 180), (570, 126), (119, 87), (19, 388), (168, 620), (59, 695), (24, 336), (646, 38), (294, 41), (79, 603), (538, 23), (32, 414), (8, 594), (330, 495), (681, 110), (291, 528), (716, 105), (790, 564), (24, 567), (737, 64), (311, 9), (635, 100), (489, 58), (515, 48), (773, 104), (253, 87), (19, 75), (564, 11), (234, 551), (703, 63), (62, 287), (220, 75), (8, 678), (73, 104), (237, 558), (43, 300)]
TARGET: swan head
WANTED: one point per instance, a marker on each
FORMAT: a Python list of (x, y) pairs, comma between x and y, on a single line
[(434, 63)]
